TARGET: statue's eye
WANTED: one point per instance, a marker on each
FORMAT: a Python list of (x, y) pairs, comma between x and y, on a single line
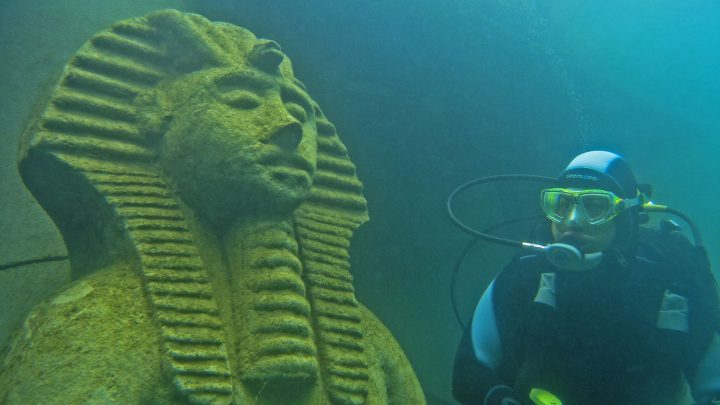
[(241, 99), (296, 111)]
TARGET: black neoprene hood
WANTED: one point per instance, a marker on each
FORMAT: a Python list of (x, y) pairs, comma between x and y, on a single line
[(601, 170)]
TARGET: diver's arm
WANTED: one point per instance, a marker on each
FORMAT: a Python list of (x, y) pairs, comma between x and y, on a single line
[(702, 366), (471, 379), (478, 358), (705, 380)]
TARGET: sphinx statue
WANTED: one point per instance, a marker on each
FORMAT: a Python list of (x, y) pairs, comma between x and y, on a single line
[(207, 206)]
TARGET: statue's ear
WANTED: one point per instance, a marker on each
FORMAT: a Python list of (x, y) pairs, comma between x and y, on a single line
[(154, 114)]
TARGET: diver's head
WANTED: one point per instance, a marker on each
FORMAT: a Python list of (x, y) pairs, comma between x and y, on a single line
[(595, 203)]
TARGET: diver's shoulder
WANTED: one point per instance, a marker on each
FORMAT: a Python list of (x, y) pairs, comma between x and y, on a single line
[(527, 264), (522, 273)]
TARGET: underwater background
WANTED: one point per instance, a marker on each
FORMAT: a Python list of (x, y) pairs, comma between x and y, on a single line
[(426, 94)]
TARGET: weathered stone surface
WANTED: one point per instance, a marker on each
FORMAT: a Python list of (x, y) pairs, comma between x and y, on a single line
[(22, 286), (207, 206), (38, 37)]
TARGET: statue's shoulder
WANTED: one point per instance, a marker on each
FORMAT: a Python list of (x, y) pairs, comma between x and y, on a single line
[(375, 330), (92, 342), (105, 305), (387, 357)]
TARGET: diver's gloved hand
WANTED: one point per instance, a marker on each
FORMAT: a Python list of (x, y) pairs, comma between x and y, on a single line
[(502, 395), (712, 400)]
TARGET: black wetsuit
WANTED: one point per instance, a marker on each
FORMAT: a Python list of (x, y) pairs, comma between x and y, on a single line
[(596, 339)]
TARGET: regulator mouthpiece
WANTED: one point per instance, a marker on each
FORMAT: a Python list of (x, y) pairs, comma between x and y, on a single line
[(568, 257)]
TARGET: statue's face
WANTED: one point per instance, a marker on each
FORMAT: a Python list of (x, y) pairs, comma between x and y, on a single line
[(241, 140)]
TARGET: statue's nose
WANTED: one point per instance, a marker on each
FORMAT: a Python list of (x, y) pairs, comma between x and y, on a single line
[(287, 137)]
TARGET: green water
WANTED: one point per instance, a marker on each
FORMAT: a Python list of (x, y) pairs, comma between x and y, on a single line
[(426, 95)]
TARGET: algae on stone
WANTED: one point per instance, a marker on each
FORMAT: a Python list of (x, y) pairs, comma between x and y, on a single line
[(207, 205)]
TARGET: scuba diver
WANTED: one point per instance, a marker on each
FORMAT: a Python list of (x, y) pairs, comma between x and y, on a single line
[(600, 310)]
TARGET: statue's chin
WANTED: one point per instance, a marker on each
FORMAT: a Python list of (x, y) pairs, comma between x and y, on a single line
[(221, 207), (283, 198)]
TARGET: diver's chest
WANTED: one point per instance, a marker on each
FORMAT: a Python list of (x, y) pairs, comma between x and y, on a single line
[(613, 317)]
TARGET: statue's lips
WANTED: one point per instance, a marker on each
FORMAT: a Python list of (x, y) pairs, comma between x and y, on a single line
[(291, 177), (289, 160), (288, 167)]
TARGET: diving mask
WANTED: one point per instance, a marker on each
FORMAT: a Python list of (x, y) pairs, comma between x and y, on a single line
[(594, 205)]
